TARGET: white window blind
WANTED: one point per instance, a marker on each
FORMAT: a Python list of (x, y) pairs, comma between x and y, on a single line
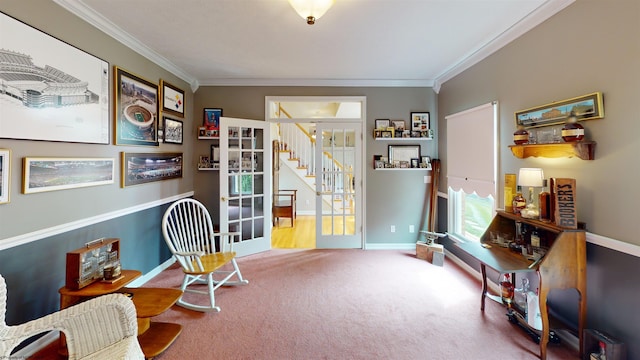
[(472, 150)]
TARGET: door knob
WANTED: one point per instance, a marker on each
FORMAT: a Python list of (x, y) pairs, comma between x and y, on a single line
[(223, 199)]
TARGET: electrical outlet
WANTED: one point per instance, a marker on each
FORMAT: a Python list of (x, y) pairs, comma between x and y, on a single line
[(393, 228), (412, 229)]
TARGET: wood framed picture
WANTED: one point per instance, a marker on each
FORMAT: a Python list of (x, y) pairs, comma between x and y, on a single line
[(140, 168), (51, 91), (586, 107), (5, 175), (48, 173), (172, 130), (172, 99), (136, 110), (420, 121)]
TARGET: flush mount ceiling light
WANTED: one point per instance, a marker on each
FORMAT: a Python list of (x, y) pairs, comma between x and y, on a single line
[(311, 10)]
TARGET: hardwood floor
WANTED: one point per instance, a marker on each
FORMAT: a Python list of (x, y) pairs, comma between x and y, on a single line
[(302, 236)]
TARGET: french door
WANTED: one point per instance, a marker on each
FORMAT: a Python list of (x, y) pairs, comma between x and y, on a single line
[(338, 160), (245, 183)]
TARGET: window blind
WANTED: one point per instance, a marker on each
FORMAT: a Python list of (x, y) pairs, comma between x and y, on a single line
[(472, 150)]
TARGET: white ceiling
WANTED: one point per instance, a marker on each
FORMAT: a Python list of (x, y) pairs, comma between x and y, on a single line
[(356, 43)]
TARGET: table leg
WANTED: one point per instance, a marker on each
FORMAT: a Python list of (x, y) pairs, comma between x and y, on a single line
[(484, 285)]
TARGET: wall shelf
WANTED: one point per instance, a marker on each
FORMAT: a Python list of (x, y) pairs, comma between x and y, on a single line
[(403, 139), (583, 149)]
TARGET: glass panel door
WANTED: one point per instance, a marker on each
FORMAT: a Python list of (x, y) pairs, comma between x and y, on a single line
[(244, 184), (338, 191)]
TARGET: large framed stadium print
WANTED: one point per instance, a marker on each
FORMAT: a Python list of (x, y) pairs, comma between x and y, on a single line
[(60, 92)]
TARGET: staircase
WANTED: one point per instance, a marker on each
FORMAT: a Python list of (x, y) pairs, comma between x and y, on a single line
[(297, 152)]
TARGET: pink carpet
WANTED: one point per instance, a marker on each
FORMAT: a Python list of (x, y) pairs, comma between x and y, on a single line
[(347, 304)]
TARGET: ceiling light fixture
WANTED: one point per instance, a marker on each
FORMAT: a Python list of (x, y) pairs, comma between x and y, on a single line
[(311, 10)]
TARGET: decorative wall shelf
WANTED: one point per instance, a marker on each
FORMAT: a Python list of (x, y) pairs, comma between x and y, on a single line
[(403, 139), (583, 149)]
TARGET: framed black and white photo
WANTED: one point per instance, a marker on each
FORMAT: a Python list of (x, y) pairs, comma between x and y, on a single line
[(68, 88), (172, 99), (136, 110), (172, 131)]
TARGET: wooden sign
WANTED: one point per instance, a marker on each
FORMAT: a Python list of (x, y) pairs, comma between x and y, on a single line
[(564, 200)]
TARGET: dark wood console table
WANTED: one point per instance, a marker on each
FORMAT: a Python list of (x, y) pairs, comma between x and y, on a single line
[(563, 265)]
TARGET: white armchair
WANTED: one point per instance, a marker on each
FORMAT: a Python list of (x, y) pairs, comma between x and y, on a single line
[(100, 328)]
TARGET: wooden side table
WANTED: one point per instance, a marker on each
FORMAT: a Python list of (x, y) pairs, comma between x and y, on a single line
[(154, 337)]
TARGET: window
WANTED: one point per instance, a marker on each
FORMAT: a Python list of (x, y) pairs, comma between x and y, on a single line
[(471, 173)]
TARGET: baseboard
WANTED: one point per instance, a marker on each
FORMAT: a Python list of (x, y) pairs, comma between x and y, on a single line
[(151, 274)]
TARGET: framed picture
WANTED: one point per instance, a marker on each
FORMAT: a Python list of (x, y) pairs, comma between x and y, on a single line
[(398, 125), (586, 107), (172, 99), (41, 174), (426, 160), (211, 121), (382, 123), (75, 105), (386, 134), (415, 162), (5, 175), (420, 121), (172, 130), (215, 153), (136, 110), (140, 168), (403, 153)]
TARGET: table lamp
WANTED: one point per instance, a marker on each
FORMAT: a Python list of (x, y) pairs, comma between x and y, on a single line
[(531, 177)]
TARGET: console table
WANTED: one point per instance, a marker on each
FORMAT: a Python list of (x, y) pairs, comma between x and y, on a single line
[(563, 265), (154, 337)]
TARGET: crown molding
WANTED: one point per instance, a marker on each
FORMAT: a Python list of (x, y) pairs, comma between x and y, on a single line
[(318, 82), (86, 13), (535, 18)]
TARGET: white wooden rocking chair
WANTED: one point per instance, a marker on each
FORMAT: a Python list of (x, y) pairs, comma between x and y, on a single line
[(206, 257)]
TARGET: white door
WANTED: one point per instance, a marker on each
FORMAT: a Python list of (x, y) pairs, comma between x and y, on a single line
[(338, 186), (245, 183)]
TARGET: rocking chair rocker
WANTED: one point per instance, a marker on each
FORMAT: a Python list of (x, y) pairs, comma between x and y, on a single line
[(201, 252)]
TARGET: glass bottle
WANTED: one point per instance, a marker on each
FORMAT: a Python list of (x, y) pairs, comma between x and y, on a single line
[(519, 201), (572, 131), (521, 136), (506, 289), (520, 296), (535, 238), (544, 202)]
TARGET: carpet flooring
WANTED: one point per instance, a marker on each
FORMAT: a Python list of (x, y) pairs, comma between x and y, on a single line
[(348, 304)]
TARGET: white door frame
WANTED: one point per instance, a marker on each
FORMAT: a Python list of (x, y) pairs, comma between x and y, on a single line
[(362, 121)]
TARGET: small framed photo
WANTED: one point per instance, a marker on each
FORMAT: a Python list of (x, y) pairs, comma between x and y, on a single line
[(202, 131), (426, 160), (420, 121), (379, 164), (415, 134), (211, 119), (415, 163), (382, 123), (398, 125), (386, 134), (5, 168), (172, 99), (172, 131), (406, 134), (377, 133)]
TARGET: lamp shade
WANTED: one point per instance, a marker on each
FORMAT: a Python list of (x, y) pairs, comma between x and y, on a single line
[(311, 10), (531, 177)]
